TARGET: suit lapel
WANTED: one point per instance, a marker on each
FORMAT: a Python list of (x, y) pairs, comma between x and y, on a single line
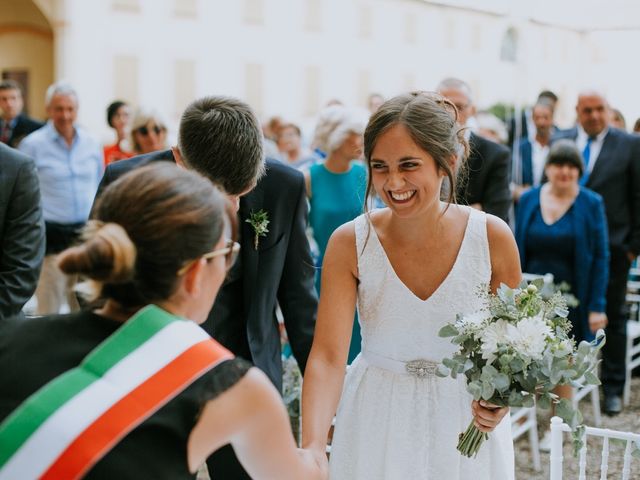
[(250, 203), (604, 157)]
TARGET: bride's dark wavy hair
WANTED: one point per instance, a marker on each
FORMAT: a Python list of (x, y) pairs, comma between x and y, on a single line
[(431, 121)]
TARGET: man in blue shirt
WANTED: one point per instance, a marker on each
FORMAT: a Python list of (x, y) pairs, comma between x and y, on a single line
[(69, 164)]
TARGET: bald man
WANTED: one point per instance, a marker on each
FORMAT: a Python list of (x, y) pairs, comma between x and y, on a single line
[(612, 169)]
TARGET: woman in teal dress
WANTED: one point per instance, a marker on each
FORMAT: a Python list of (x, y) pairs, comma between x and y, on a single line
[(336, 187)]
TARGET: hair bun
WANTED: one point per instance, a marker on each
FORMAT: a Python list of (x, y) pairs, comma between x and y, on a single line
[(107, 254)]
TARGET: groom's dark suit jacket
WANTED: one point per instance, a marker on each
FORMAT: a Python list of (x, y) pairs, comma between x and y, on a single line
[(280, 271)]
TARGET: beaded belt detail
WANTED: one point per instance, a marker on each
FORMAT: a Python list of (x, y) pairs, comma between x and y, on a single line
[(419, 368)]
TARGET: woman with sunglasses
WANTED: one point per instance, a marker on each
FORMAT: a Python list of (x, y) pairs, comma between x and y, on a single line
[(133, 389), (148, 133)]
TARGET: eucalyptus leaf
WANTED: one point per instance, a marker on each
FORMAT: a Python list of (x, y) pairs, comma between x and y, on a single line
[(528, 401), (450, 363), (475, 389), (544, 402), (487, 390), (591, 379), (564, 409), (448, 331), (501, 382), (442, 371)]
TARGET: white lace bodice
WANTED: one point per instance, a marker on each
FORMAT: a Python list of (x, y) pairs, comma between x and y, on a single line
[(396, 323)]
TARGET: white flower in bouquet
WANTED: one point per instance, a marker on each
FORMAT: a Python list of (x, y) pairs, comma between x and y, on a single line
[(471, 322), (494, 334), (529, 336)]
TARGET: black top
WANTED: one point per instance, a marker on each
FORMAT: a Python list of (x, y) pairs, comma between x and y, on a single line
[(36, 350)]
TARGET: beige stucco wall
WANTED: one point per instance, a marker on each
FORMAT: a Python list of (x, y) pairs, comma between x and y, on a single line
[(32, 52), (26, 43)]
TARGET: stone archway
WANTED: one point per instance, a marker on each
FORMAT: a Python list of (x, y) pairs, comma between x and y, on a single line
[(27, 50)]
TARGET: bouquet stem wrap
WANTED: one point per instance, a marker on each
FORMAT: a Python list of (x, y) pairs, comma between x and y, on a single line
[(471, 440)]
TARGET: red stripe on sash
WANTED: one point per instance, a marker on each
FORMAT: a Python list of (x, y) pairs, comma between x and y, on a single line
[(122, 417)]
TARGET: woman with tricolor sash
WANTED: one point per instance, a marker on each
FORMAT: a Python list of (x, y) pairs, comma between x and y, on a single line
[(135, 388)]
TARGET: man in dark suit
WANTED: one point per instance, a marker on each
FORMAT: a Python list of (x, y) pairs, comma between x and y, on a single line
[(21, 231), (486, 183), (220, 138), (527, 128), (612, 169), (14, 125)]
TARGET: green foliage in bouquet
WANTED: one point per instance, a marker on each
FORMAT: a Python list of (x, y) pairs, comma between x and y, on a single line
[(518, 348)]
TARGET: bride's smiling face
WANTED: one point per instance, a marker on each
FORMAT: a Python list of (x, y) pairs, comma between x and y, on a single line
[(404, 176)]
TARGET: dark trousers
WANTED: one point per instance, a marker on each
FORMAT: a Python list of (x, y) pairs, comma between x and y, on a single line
[(614, 351), (224, 465)]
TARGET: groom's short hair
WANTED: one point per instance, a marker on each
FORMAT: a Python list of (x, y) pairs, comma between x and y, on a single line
[(220, 137)]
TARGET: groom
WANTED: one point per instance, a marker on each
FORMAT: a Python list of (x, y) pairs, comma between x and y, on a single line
[(220, 138)]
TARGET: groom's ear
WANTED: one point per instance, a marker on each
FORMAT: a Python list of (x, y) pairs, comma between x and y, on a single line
[(177, 156)]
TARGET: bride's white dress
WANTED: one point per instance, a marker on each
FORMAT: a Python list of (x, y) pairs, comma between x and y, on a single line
[(394, 425)]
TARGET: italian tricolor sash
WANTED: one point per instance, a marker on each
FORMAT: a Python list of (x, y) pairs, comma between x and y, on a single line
[(68, 425)]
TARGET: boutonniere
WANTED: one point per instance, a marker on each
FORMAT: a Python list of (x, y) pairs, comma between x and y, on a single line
[(259, 221)]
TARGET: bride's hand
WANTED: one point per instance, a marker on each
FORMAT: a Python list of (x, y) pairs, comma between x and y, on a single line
[(486, 415)]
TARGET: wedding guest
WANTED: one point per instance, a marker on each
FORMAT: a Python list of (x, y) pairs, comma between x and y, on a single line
[(163, 394), (220, 138), (118, 118), (374, 100), (636, 126), (148, 132), (491, 127), (336, 188), (617, 119), (69, 163), (486, 186), (561, 229), (612, 169), (21, 231), (410, 268), (533, 154), (14, 123), (289, 141)]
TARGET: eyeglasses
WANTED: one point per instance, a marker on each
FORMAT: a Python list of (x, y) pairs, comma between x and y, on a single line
[(230, 251), (144, 131)]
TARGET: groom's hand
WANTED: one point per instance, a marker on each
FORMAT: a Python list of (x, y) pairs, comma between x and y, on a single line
[(486, 415), (317, 460)]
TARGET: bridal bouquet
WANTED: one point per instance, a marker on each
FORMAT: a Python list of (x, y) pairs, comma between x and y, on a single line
[(516, 348)]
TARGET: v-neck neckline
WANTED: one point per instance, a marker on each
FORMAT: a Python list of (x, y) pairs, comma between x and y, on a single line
[(446, 278)]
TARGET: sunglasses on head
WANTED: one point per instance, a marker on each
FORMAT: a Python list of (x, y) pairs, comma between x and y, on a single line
[(145, 131), (230, 252)]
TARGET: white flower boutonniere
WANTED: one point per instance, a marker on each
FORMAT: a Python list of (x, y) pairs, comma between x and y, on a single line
[(259, 221)]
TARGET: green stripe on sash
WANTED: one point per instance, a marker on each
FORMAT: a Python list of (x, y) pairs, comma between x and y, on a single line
[(33, 412)]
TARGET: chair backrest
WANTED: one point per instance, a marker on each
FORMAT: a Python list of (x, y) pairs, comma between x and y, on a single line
[(556, 457)]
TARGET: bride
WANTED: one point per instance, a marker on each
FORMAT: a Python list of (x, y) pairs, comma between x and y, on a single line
[(410, 268)]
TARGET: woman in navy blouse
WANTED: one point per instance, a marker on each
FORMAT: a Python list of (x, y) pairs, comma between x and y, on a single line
[(561, 229)]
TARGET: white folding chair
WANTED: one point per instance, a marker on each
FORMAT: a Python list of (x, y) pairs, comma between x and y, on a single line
[(524, 420), (556, 458)]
